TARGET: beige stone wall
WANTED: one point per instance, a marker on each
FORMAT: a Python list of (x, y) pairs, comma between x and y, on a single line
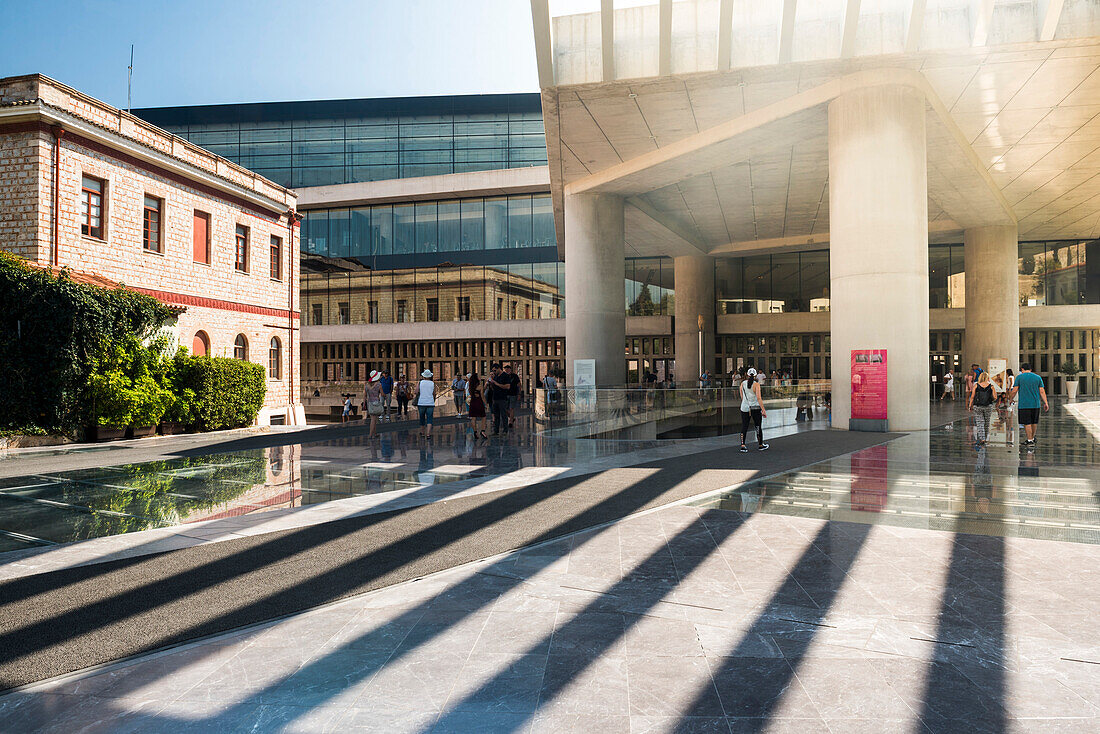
[(19, 187)]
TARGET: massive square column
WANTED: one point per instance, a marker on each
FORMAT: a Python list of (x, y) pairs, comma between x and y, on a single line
[(878, 252), (694, 298), (595, 292), (992, 295)]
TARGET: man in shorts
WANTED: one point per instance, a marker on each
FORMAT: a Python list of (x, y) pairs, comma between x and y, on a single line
[(1029, 386)]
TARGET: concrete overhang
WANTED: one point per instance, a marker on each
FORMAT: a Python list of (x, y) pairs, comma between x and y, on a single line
[(957, 180), (500, 182)]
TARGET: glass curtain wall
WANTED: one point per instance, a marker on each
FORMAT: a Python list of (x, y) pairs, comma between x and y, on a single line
[(442, 293), (649, 286), (321, 143), (773, 283), (498, 223)]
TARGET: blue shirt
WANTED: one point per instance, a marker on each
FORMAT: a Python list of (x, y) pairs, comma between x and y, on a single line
[(1029, 384), (387, 385)]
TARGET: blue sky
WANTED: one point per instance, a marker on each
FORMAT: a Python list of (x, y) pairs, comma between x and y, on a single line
[(208, 52)]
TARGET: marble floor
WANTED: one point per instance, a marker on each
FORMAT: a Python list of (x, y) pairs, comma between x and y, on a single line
[(899, 595)]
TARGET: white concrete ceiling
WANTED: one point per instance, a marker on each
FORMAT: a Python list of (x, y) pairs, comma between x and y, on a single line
[(1030, 112)]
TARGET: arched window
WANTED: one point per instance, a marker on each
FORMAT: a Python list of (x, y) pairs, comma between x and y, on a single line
[(274, 358), (200, 345), (240, 347)]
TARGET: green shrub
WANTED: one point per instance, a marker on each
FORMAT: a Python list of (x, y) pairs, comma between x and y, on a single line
[(51, 329), (224, 393), (126, 385)]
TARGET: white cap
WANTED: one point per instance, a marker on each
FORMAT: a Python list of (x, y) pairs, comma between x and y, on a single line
[(427, 374), (751, 372), (375, 375)]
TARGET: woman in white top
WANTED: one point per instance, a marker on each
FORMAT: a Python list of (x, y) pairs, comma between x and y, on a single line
[(752, 411), (425, 402)]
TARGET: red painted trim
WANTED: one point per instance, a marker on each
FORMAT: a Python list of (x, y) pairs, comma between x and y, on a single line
[(216, 303), (147, 167)]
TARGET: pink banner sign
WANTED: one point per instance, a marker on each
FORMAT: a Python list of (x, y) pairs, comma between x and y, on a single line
[(869, 384)]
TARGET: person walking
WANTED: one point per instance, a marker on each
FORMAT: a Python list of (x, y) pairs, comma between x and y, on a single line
[(501, 387), (752, 411), (347, 409), (981, 400), (402, 390), (948, 387), (458, 391), (513, 381), (970, 379), (374, 401), (425, 402), (386, 383), (477, 404), (1032, 393)]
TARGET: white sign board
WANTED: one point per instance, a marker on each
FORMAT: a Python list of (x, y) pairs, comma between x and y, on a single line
[(584, 385)]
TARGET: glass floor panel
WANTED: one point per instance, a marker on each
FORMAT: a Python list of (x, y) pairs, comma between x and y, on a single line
[(941, 480)]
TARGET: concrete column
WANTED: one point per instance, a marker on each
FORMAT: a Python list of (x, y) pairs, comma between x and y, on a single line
[(992, 296), (878, 257), (595, 292), (694, 283)]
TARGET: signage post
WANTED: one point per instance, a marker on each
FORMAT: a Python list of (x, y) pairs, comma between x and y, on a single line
[(868, 390)]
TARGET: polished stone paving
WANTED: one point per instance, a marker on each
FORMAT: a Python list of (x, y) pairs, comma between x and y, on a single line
[(834, 618), (58, 518)]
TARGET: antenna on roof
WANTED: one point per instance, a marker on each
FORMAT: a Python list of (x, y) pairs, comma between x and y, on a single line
[(129, 77)]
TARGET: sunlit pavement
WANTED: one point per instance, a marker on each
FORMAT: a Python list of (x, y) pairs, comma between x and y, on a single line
[(922, 585)]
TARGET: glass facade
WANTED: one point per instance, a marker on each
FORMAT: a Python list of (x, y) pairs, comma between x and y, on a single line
[(773, 283), (1058, 273), (441, 293), (428, 233), (649, 286), (299, 144)]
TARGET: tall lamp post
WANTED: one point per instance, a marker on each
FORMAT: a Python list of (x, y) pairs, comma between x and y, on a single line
[(701, 368)]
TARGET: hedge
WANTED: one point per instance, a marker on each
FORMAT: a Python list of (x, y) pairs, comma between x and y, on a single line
[(50, 331), (227, 393)]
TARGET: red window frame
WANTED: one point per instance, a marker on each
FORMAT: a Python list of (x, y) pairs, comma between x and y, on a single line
[(240, 255), (276, 258), (151, 239), (91, 198)]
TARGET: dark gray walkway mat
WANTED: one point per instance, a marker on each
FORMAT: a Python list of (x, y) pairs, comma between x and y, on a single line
[(58, 622)]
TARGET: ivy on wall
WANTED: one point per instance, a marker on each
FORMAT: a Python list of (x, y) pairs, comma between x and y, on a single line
[(51, 330)]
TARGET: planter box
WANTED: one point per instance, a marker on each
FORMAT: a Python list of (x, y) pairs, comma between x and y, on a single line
[(142, 431), (170, 428), (105, 433)]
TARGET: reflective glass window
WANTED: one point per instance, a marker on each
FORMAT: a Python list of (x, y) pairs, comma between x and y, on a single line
[(339, 232), (404, 229), (542, 221), (450, 226), (496, 223), (427, 228), (519, 221), (473, 224), (360, 232)]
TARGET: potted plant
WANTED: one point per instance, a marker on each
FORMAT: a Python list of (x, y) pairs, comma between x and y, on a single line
[(1069, 368)]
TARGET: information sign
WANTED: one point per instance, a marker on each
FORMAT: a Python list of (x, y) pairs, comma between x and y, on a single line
[(868, 390)]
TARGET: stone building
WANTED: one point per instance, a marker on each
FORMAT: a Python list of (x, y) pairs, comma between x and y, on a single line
[(92, 189)]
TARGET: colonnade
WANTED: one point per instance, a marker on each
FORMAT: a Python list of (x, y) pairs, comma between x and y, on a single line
[(878, 263)]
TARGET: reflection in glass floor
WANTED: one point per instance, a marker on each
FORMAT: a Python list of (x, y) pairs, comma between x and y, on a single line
[(940, 481), (60, 507)]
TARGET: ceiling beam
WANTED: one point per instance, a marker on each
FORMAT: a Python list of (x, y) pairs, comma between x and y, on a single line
[(983, 21), (675, 240), (914, 27), (848, 35), (804, 243), (1050, 12), (607, 38), (540, 21), (786, 30), (664, 56), (725, 33)]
